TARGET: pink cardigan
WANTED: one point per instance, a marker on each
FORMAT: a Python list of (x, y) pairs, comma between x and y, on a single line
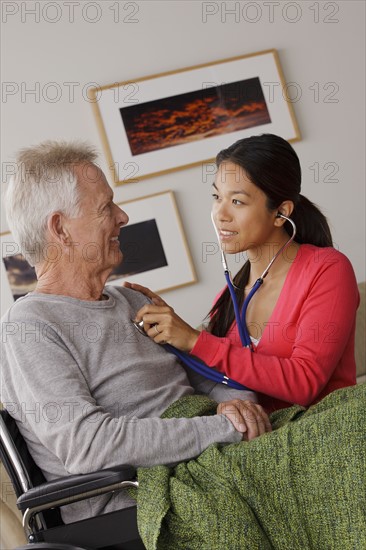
[(307, 348)]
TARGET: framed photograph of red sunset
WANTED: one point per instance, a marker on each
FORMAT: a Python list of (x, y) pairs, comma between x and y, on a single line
[(183, 118)]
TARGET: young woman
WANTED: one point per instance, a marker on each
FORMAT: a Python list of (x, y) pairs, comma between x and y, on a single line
[(302, 319)]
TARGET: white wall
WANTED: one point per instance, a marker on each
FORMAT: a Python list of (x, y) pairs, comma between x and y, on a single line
[(324, 44)]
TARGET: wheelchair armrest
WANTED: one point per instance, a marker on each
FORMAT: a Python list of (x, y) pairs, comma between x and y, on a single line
[(75, 487)]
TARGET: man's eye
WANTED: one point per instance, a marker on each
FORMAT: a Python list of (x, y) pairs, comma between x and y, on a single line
[(214, 196)]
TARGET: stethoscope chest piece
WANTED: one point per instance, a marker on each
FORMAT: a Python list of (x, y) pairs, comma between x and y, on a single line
[(139, 326)]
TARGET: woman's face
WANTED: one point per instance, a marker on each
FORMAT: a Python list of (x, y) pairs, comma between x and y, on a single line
[(239, 210)]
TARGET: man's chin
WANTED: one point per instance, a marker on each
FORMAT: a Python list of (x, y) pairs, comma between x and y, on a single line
[(117, 258)]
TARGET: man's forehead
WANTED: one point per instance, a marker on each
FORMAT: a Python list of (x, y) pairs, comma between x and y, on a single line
[(87, 172), (93, 184)]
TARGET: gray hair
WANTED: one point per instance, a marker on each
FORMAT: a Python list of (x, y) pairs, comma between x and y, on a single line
[(44, 183)]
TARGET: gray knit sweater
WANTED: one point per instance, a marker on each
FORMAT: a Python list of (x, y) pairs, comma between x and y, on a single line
[(87, 390)]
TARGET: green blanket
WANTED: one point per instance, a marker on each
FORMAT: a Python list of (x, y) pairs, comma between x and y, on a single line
[(303, 486)]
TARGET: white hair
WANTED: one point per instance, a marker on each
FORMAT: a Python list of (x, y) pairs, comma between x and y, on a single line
[(44, 183)]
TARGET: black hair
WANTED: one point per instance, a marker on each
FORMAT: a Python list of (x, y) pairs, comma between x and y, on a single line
[(271, 164)]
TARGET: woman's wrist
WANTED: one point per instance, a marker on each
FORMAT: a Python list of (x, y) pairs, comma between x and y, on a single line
[(193, 339)]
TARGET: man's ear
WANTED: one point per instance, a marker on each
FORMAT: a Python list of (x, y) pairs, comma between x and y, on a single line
[(286, 208), (57, 228)]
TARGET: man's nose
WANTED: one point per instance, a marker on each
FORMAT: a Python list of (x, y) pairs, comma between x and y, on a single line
[(122, 217)]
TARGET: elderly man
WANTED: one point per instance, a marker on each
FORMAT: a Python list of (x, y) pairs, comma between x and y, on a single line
[(85, 387)]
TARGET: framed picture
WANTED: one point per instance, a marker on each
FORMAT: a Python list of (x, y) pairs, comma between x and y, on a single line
[(183, 118), (17, 276), (154, 247)]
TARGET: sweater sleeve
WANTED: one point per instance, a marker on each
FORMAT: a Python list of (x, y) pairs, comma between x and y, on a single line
[(301, 347), (56, 408)]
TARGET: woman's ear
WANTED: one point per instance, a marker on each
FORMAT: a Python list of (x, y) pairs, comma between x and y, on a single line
[(286, 208)]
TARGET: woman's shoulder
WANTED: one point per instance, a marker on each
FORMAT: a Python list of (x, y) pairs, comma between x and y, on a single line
[(328, 261), (320, 256)]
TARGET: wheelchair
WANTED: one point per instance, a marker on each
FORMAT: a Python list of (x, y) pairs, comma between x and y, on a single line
[(39, 501)]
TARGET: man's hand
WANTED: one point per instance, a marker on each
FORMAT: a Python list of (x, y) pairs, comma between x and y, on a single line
[(247, 417)]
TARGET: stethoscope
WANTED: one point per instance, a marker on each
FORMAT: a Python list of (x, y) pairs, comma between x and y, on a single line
[(193, 362)]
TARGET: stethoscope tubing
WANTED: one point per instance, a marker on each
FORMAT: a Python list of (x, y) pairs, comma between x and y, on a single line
[(202, 369), (195, 364), (248, 342), (242, 332)]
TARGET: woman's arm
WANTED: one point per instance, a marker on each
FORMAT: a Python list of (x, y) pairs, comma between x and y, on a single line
[(299, 350), (302, 346)]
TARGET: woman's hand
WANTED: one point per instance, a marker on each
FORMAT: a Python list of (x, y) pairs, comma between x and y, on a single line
[(155, 298), (247, 417), (162, 324)]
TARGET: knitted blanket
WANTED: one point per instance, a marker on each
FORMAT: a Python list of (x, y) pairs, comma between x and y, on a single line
[(303, 486)]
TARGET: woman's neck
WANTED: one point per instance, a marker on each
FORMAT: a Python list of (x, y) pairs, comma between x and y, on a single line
[(260, 258)]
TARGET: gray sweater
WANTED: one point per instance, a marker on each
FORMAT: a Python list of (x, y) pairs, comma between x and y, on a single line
[(87, 390)]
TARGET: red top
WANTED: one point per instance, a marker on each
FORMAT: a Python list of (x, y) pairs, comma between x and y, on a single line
[(307, 347)]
